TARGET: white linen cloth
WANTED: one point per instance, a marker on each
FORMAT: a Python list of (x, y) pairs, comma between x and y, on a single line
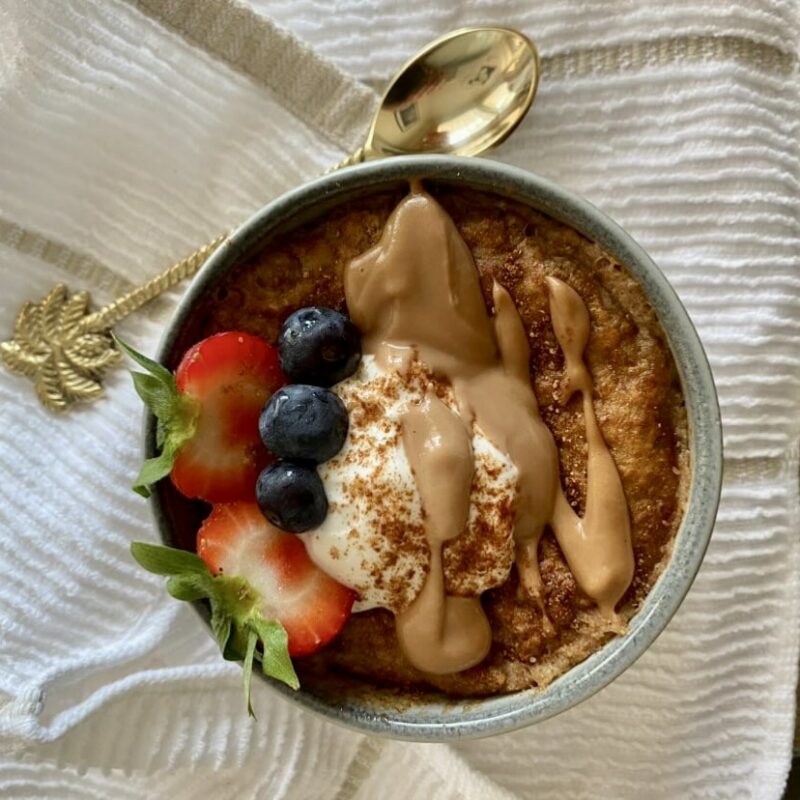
[(132, 132)]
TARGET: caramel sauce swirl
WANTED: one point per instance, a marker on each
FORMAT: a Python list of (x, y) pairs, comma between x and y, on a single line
[(416, 294)]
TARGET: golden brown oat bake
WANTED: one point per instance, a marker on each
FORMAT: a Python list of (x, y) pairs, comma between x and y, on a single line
[(638, 400)]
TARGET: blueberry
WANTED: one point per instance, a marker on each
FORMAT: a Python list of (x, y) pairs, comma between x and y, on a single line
[(319, 346), (304, 423), (291, 496)]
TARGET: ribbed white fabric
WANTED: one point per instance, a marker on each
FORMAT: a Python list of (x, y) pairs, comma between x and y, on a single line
[(124, 141), (370, 38)]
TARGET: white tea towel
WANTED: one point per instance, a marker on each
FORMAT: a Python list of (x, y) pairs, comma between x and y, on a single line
[(131, 132)]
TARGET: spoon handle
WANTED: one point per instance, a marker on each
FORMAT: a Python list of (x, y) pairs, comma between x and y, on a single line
[(356, 157), (108, 316)]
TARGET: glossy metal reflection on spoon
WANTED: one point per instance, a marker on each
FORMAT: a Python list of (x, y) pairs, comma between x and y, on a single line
[(461, 95)]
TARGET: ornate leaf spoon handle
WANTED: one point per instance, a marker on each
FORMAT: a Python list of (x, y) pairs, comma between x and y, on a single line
[(484, 79), (65, 348)]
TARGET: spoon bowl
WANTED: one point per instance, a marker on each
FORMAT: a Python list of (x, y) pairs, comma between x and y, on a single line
[(461, 95)]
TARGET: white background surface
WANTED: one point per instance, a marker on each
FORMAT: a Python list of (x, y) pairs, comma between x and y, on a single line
[(130, 146)]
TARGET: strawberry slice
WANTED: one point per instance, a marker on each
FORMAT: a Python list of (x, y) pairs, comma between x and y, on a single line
[(231, 375), (236, 540), (208, 415)]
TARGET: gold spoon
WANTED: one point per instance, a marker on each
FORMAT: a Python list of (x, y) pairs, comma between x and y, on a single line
[(462, 94)]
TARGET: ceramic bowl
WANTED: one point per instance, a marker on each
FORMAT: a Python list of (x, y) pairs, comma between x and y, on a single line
[(438, 718)]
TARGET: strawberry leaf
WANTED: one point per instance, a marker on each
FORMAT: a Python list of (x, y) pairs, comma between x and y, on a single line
[(221, 625), (153, 367), (158, 395), (275, 661), (153, 470), (168, 560), (189, 587), (236, 621), (176, 414), (235, 598), (247, 667)]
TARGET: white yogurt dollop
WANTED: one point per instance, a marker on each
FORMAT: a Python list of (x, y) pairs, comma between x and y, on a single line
[(372, 539)]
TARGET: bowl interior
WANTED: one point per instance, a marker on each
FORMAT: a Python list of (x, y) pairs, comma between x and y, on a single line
[(435, 717)]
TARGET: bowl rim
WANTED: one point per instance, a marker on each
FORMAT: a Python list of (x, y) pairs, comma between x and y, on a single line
[(504, 713)]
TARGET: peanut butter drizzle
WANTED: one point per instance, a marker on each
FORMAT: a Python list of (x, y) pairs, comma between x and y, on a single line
[(441, 634), (416, 294), (598, 547)]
